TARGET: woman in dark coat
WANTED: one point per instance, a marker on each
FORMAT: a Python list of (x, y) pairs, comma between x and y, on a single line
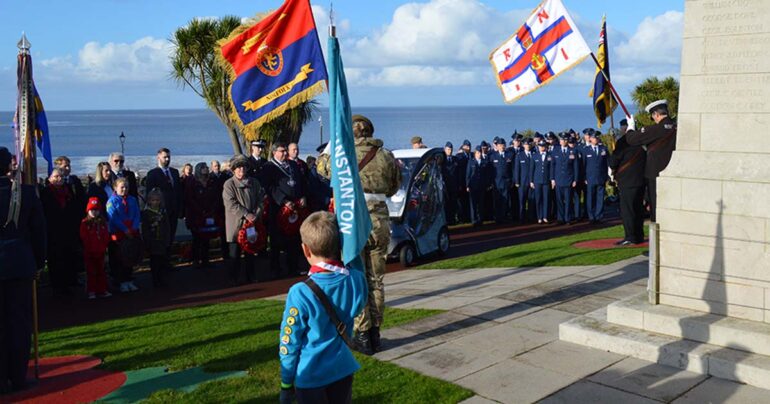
[(63, 213), (204, 211)]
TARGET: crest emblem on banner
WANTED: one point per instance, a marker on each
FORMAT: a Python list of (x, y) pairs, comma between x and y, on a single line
[(270, 61)]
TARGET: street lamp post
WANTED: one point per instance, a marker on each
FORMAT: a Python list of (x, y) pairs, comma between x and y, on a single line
[(122, 138), (321, 125)]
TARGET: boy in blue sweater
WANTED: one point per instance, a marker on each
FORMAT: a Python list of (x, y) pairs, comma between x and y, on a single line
[(316, 364)]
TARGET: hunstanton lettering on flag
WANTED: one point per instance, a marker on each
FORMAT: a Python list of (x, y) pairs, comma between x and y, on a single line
[(548, 44)]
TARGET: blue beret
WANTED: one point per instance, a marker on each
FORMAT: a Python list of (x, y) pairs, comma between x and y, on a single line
[(483, 143), (449, 145), (624, 122), (478, 148), (466, 142)]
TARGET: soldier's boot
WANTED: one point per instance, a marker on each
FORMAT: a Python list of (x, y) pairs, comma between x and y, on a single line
[(363, 343), (374, 339)]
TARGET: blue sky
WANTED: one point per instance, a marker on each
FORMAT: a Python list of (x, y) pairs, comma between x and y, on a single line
[(113, 54)]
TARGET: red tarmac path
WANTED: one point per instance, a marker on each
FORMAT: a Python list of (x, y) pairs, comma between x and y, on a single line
[(194, 287)]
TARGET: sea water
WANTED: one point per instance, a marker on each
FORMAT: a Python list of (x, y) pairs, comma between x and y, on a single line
[(88, 137)]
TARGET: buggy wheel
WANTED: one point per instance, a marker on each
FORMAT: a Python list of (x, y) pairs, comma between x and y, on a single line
[(407, 255), (443, 241)]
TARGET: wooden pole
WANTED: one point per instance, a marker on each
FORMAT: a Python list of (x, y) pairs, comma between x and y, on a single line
[(617, 97), (35, 328)]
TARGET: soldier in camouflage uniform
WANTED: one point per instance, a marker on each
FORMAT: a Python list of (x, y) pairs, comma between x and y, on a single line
[(380, 179)]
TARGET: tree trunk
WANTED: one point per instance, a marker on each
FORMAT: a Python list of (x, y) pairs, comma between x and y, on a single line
[(234, 140)]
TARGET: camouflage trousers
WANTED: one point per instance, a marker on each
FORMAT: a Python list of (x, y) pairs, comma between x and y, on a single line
[(374, 255)]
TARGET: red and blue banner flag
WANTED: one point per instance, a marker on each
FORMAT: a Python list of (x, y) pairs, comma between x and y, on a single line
[(274, 64)]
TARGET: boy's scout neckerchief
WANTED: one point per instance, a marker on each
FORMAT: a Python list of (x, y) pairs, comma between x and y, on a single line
[(330, 267)]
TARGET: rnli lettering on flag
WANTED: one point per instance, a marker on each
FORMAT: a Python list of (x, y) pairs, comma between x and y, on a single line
[(274, 64), (547, 45)]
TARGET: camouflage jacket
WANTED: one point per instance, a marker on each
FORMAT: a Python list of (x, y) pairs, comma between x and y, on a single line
[(380, 176)]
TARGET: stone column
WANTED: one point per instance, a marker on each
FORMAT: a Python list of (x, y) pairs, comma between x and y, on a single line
[(714, 197)]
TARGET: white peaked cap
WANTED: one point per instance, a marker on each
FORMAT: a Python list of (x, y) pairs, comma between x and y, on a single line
[(655, 104)]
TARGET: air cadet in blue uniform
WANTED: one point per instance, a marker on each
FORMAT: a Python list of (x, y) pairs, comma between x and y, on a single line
[(476, 179), (541, 175), (578, 208), (522, 178), (501, 163), (451, 183), (463, 156), (488, 209), (513, 199), (596, 156), (565, 169)]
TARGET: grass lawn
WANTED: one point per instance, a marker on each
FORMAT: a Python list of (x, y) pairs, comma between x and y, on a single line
[(554, 252), (228, 337)]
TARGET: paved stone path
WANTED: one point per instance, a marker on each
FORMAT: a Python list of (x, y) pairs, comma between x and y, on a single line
[(499, 337)]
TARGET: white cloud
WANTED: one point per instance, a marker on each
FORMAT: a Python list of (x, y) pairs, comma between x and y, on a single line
[(144, 60), (437, 33), (657, 41)]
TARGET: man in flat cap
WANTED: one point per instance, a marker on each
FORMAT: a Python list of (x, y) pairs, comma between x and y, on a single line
[(417, 143), (22, 253), (380, 179), (660, 140), (256, 160), (451, 183)]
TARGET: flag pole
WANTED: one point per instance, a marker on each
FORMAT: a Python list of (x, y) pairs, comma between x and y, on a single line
[(25, 157), (614, 92)]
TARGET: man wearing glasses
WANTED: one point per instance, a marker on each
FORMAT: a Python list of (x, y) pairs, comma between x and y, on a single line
[(117, 164)]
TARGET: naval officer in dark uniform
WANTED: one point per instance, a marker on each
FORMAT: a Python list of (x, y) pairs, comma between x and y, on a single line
[(256, 161), (22, 253), (660, 140), (627, 163)]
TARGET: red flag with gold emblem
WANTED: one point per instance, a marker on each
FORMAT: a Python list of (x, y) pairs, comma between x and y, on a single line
[(275, 64)]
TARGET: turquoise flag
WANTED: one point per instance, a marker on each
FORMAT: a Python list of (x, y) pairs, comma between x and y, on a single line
[(349, 203)]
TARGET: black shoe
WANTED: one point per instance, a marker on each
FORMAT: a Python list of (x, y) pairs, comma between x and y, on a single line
[(25, 385), (374, 338), (363, 343), (626, 242), (620, 242)]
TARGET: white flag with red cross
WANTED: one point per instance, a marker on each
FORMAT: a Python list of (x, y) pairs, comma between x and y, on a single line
[(547, 45)]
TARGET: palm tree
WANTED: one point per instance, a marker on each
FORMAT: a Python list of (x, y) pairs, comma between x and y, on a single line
[(195, 66), (652, 89), (286, 128)]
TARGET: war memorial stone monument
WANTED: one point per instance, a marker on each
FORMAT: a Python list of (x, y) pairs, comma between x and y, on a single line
[(712, 275)]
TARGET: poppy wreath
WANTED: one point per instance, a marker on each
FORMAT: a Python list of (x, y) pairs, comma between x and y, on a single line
[(259, 244), (331, 205), (289, 220)]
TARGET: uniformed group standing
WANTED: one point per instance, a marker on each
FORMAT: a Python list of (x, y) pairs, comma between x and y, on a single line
[(532, 179)]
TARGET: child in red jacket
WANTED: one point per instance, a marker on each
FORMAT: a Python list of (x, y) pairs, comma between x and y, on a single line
[(95, 237)]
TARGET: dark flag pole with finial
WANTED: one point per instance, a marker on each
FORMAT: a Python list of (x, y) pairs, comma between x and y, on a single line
[(26, 158)]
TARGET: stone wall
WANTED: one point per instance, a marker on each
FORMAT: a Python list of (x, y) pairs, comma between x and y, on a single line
[(714, 197)]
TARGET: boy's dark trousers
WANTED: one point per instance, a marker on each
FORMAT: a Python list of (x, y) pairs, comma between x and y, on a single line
[(159, 263), (340, 391)]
